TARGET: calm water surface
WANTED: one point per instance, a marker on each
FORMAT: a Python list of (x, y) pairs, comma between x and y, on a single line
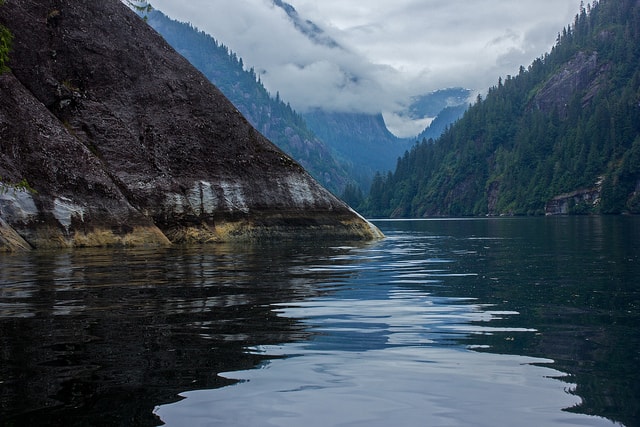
[(483, 322)]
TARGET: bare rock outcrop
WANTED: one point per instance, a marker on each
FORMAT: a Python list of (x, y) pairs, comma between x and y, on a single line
[(582, 201), (582, 72), (124, 142)]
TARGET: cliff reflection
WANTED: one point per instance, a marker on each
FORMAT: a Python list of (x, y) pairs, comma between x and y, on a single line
[(99, 337)]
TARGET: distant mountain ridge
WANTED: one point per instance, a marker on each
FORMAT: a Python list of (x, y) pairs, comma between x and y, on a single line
[(432, 104), (445, 106), (365, 143)]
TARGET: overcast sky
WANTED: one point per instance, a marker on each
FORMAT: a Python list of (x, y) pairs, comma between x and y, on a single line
[(374, 55)]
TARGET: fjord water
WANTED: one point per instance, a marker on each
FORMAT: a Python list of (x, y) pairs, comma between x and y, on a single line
[(448, 322)]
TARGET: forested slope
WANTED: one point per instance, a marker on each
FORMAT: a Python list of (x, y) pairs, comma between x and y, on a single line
[(563, 136)]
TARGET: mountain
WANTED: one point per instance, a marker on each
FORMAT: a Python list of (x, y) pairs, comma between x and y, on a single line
[(364, 144), (361, 141), (339, 149), (445, 106), (444, 119), (271, 116), (431, 104), (109, 137), (562, 136)]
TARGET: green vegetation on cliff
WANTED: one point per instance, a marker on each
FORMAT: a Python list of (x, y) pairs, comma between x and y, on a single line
[(570, 121), (5, 46)]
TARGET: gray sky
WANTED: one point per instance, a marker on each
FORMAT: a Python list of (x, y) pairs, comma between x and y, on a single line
[(385, 51)]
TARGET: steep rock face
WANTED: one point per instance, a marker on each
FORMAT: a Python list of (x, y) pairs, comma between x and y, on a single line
[(75, 202), (10, 240), (576, 202), (580, 73), (119, 135)]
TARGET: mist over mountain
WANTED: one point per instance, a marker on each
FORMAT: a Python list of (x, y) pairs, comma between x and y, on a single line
[(338, 148), (376, 57), (338, 144), (431, 104), (439, 109)]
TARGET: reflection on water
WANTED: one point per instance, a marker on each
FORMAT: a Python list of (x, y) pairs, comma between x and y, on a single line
[(101, 337), (445, 322)]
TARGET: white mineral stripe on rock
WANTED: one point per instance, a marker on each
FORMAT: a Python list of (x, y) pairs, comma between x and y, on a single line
[(208, 197), (233, 196), (16, 204), (300, 191), (64, 210), (194, 198)]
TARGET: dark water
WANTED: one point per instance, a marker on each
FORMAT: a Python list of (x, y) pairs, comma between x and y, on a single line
[(483, 322)]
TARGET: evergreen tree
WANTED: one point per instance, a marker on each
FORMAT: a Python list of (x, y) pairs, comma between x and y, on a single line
[(352, 195)]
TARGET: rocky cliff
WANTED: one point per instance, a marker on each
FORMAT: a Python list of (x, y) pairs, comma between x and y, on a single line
[(583, 73), (122, 141), (577, 202)]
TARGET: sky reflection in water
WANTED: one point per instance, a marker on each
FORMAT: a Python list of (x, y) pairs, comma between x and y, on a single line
[(388, 350)]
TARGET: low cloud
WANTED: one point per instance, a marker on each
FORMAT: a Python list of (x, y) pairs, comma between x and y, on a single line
[(385, 52)]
